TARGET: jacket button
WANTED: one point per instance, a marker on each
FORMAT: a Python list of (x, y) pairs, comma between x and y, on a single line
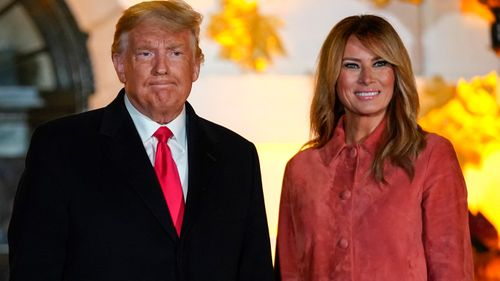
[(353, 152), (346, 194), (343, 243)]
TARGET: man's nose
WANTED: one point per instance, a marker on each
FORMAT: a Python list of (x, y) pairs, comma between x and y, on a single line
[(161, 65)]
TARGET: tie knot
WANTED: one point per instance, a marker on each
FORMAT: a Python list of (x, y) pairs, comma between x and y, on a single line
[(163, 134)]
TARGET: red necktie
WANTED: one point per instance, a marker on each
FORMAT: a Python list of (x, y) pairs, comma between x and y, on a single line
[(168, 176)]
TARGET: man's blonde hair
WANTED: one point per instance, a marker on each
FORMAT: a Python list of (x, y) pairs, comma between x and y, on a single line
[(175, 15)]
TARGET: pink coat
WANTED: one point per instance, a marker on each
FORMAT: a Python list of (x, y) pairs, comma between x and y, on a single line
[(337, 223)]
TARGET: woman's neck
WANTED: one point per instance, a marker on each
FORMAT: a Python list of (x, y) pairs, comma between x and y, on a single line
[(358, 128)]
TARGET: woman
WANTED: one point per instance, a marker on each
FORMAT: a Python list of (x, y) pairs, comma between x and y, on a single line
[(372, 197)]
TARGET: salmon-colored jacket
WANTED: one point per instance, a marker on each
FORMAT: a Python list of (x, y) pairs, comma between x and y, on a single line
[(337, 223)]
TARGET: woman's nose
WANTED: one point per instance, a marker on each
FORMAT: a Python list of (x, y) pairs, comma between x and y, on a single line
[(366, 76)]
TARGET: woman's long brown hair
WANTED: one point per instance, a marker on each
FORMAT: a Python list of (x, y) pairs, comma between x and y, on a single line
[(403, 139)]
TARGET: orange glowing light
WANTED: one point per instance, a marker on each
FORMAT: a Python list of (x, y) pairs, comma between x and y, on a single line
[(383, 3), (245, 36), (470, 119), (477, 7)]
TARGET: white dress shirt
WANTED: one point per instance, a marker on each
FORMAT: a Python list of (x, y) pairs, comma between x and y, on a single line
[(177, 143)]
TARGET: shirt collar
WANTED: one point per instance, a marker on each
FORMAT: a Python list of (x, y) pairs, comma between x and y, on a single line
[(147, 127), (333, 148)]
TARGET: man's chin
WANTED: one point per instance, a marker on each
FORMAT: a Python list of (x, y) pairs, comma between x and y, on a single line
[(162, 88), (164, 114)]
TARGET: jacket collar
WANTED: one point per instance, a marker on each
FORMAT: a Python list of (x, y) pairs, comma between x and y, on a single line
[(337, 143), (202, 159), (125, 151)]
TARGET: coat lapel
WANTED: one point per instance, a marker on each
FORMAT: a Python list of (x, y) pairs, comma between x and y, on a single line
[(126, 153), (202, 161)]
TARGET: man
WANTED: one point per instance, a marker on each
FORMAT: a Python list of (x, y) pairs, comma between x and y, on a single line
[(93, 203)]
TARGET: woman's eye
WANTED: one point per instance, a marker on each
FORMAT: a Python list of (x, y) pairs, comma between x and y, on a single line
[(351, 65), (381, 63)]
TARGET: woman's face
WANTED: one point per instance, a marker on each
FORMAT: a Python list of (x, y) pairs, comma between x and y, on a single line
[(366, 82)]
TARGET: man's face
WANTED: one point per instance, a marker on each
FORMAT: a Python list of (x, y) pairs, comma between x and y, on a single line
[(157, 67)]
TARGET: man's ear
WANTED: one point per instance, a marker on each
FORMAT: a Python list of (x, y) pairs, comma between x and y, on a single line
[(118, 62), (196, 70)]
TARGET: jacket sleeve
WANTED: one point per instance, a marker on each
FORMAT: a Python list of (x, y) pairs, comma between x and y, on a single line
[(256, 260), (446, 234), (286, 261), (38, 230)]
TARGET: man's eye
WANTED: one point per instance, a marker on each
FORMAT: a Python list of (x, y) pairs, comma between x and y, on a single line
[(144, 54), (176, 53)]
